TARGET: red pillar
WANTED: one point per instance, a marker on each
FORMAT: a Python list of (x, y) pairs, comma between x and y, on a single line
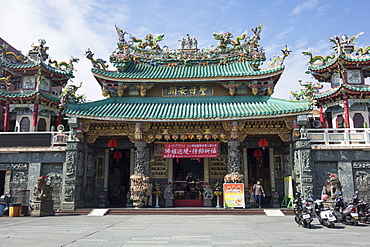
[(346, 112), (59, 119), (6, 117), (322, 118), (35, 116)]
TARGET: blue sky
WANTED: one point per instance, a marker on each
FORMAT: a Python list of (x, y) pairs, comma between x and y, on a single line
[(70, 27)]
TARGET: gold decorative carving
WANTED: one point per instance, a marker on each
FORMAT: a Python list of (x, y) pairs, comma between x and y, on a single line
[(218, 167), (285, 137), (289, 124), (132, 138), (241, 137), (226, 126), (91, 138), (100, 167), (85, 127), (158, 168)]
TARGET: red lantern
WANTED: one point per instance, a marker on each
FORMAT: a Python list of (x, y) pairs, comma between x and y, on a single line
[(257, 153), (112, 143), (262, 143), (117, 155)]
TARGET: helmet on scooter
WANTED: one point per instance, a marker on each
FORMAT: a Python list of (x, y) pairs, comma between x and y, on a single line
[(325, 197), (297, 194)]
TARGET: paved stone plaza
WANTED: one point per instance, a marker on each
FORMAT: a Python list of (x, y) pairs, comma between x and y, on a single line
[(174, 230)]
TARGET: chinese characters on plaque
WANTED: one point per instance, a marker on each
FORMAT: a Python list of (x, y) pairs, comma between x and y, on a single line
[(191, 150), (191, 90)]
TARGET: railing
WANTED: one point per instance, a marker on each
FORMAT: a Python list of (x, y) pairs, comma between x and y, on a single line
[(41, 139), (359, 137)]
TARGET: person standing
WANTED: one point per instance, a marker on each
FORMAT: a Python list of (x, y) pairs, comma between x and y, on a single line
[(258, 193)]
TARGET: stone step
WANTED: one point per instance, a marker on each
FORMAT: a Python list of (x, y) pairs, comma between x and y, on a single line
[(176, 211)]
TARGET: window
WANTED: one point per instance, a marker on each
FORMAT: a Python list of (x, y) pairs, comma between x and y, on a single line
[(340, 121), (358, 120), (41, 126), (25, 124)]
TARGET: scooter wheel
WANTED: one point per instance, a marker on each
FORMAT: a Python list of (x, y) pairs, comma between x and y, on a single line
[(331, 225), (355, 222)]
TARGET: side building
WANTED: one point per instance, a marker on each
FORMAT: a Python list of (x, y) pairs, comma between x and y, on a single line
[(30, 145), (339, 129)]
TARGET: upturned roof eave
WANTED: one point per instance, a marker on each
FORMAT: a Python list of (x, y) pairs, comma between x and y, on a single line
[(271, 116)]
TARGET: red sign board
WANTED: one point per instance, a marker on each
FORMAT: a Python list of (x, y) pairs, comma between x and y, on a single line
[(191, 150)]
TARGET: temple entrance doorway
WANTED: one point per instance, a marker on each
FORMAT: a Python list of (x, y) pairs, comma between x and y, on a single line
[(259, 169), (2, 181), (118, 177), (188, 174)]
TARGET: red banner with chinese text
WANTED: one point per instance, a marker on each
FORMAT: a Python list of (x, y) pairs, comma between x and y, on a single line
[(191, 150)]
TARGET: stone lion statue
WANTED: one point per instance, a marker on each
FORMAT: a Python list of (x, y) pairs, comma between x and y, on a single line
[(168, 192), (333, 187), (207, 192), (42, 190)]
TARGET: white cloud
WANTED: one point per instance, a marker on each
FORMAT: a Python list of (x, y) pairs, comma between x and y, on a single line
[(305, 6)]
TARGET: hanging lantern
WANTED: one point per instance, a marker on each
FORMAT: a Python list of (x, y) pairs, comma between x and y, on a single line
[(117, 155), (214, 136), (184, 137), (207, 137), (262, 143), (158, 137), (167, 137), (257, 153), (199, 137), (175, 137), (191, 136), (112, 143)]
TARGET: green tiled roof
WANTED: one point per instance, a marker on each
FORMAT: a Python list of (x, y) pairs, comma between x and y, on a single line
[(349, 58), (34, 64), (355, 88), (27, 94), (145, 71), (187, 108)]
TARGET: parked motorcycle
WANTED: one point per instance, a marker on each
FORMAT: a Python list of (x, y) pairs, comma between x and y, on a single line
[(302, 211), (325, 215), (346, 215), (363, 210)]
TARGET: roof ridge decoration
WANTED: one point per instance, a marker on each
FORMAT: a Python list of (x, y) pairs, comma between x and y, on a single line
[(148, 51), (36, 56), (307, 92), (343, 46)]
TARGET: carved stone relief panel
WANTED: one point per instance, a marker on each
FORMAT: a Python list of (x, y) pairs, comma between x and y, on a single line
[(361, 176), (54, 175), (18, 181)]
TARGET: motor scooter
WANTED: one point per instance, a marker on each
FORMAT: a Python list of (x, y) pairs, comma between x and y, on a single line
[(363, 210), (346, 215), (325, 215), (302, 211)]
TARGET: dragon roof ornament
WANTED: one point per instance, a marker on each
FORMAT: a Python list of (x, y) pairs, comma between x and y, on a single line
[(37, 55), (343, 46), (147, 50)]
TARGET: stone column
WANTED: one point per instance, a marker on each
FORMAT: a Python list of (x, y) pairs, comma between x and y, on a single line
[(233, 166), (139, 180), (70, 168), (303, 167), (68, 202)]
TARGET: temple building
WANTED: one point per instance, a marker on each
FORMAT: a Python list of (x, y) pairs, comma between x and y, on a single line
[(186, 114)]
